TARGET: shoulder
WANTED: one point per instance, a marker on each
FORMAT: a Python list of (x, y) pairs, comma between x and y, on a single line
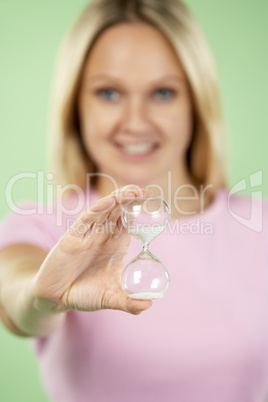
[(43, 223), (28, 222), (249, 210)]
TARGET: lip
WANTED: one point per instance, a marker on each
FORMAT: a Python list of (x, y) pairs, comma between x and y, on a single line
[(136, 157)]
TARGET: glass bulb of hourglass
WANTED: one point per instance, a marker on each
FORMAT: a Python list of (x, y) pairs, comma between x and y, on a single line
[(145, 277)]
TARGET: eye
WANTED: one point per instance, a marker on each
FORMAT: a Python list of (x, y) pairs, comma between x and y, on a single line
[(165, 94), (108, 94)]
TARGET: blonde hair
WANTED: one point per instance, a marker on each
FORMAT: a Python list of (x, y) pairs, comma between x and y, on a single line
[(205, 157)]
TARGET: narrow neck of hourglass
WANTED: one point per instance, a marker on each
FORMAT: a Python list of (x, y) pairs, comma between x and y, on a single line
[(145, 247)]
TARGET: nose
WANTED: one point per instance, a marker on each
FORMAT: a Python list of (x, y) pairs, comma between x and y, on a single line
[(135, 117)]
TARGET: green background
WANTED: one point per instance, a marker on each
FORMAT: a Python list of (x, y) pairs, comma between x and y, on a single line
[(30, 34)]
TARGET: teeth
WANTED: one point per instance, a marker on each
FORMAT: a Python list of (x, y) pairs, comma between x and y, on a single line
[(137, 148)]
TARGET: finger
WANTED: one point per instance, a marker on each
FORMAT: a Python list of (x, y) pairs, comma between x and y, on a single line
[(123, 193), (84, 223), (130, 187), (118, 300), (109, 208), (137, 306), (101, 208), (104, 207), (98, 213), (106, 204), (118, 197), (115, 214)]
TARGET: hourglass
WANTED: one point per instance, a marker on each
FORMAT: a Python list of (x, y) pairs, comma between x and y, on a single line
[(145, 277)]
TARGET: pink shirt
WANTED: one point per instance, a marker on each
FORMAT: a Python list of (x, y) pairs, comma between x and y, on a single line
[(205, 341)]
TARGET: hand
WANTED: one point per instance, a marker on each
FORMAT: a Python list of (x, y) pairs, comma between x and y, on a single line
[(83, 271)]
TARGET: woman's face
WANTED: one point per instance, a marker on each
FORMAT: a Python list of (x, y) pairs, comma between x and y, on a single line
[(134, 106)]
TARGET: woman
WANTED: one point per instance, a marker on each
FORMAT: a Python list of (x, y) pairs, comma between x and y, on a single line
[(136, 101)]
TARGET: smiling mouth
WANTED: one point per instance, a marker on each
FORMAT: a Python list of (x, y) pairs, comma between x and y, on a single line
[(138, 149)]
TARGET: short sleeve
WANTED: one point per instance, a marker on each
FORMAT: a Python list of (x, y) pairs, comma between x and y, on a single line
[(27, 225)]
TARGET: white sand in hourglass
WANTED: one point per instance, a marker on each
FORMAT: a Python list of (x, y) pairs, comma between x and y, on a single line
[(146, 296), (146, 234)]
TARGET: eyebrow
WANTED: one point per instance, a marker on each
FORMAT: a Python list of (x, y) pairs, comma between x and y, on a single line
[(169, 77)]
